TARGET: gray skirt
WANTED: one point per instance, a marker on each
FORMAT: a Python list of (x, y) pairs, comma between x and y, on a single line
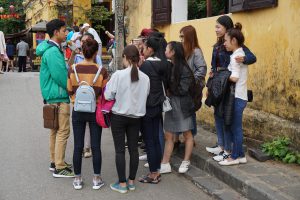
[(174, 120)]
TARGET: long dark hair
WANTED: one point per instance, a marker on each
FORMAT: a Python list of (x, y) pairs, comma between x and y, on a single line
[(179, 61), (227, 22), (190, 40), (132, 55), (160, 52)]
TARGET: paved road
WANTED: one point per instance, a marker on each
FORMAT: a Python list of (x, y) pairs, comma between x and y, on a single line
[(24, 153)]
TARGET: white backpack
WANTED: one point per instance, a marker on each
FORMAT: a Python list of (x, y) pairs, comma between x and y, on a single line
[(85, 99)]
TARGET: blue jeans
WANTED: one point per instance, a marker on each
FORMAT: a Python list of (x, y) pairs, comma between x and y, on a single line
[(236, 130), (79, 120), (224, 140)]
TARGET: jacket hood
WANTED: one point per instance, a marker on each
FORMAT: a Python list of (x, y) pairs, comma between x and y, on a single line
[(42, 47)]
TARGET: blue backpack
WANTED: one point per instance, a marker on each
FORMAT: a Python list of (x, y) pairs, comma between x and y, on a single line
[(85, 98)]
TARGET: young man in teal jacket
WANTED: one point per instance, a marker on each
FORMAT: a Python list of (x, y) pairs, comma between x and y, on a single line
[(53, 84)]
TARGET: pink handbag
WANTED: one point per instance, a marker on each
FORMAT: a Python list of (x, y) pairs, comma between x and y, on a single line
[(103, 111)]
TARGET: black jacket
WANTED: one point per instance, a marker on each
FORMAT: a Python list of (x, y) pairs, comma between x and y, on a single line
[(221, 94), (156, 70), (183, 90)]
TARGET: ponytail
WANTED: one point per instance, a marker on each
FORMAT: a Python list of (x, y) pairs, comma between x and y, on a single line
[(134, 73), (132, 55), (236, 33)]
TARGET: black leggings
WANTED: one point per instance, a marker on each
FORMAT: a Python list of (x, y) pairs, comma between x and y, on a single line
[(79, 120), (121, 126)]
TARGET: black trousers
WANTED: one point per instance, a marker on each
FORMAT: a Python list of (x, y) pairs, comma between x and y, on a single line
[(121, 126), (150, 130), (22, 63)]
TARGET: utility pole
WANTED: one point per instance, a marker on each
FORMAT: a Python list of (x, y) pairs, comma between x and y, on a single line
[(119, 33)]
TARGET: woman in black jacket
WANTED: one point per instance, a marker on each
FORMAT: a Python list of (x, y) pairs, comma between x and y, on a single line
[(156, 70), (179, 119)]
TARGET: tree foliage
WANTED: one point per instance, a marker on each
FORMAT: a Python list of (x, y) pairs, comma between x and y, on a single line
[(98, 14), (12, 25), (197, 8)]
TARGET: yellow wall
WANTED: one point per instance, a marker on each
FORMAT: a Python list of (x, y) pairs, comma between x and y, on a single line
[(79, 8), (139, 13), (273, 34)]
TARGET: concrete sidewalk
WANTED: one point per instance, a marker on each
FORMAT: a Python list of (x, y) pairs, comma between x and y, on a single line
[(254, 180)]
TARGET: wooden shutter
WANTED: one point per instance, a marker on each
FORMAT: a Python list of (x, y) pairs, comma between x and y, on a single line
[(161, 12), (240, 5)]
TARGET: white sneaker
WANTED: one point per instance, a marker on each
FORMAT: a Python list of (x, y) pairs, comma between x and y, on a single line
[(222, 156), (184, 167), (165, 168), (243, 160), (146, 165), (77, 183), (227, 162), (143, 157), (215, 150)]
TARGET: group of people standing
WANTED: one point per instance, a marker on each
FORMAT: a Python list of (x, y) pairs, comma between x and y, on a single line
[(7, 54), (154, 70)]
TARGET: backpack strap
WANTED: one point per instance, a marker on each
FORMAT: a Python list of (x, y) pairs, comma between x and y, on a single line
[(97, 74), (76, 75)]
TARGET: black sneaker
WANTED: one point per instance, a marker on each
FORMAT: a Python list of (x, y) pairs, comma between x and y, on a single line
[(52, 167), (63, 173)]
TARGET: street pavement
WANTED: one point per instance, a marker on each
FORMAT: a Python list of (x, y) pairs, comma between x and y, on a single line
[(24, 155)]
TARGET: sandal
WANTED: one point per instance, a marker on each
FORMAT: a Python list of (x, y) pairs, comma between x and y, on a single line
[(148, 179)]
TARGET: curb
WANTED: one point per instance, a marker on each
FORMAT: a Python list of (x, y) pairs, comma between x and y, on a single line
[(207, 183), (231, 176)]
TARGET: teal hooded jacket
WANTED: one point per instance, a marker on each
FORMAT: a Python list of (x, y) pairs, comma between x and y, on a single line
[(53, 73)]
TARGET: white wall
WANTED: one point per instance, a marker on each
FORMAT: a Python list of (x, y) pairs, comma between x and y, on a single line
[(179, 10)]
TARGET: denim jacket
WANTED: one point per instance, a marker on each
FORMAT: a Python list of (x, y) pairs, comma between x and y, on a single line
[(219, 52)]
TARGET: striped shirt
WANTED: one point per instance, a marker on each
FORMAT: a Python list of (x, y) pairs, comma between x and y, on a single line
[(86, 72)]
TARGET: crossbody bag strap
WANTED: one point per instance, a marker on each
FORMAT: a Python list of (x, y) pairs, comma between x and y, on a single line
[(97, 74), (75, 72)]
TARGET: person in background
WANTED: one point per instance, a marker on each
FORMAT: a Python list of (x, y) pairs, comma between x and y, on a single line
[(87, 28), (53, 84), (10, 51), (2, 50), (22, 49), (76, 36), (221, 59), (87, 70), (133, 85), (180, 118), (234, 40)]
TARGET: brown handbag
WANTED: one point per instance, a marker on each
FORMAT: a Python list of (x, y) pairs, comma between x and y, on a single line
[(50, 115)]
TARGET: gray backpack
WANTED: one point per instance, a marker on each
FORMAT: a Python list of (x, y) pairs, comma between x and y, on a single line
[(85, 99)]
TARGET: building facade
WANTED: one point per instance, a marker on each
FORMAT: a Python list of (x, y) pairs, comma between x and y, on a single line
[(272, 32)]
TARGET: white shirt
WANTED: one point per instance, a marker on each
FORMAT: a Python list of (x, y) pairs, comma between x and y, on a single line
[(74, 39), (2, 43), (95, 34), (130, 96), (240, 71)]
